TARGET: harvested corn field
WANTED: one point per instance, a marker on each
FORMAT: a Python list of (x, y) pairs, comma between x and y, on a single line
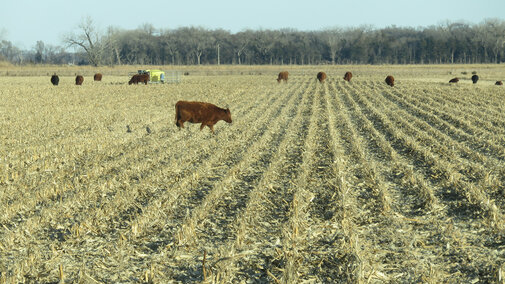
[(334, 182)]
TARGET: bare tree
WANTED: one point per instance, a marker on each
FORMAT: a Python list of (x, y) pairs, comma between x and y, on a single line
[(493, 32), (89, 39), (10, 52), (241, 41), (334, 39), (39, 52), (111, 42), (169, 44), (197, 40), (263, 42)]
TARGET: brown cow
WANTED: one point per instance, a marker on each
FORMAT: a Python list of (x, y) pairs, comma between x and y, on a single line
[(390, 80), (348, 76), (97, 77), (475, 78), (499, 83), (454, 80), (79, 79), (55, 80), (139, 78), (283, 76), (200, 112), (321, 76)]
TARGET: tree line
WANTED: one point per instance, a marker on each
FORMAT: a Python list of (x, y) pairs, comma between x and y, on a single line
[(450, 42)]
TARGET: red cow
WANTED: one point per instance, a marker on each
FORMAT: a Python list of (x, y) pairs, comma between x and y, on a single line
[(283, 76), (499, 83), (348, 76), (390, 80), (199, 112), (139, 78), (79, 79), (97, 77), (454, 80), (321, 76)]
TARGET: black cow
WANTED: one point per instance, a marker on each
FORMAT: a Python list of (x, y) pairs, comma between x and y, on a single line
[(55, 80)]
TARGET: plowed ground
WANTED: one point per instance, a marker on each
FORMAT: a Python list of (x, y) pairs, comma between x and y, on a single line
[(334, 182)]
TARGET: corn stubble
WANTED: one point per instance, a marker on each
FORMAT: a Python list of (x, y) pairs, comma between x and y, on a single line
[(334, 182)]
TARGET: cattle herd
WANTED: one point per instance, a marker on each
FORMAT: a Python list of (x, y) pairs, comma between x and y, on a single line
[(79, 79), (208, 114), (283, 76)]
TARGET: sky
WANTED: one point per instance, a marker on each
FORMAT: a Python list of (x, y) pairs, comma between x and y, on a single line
[(24, 22)]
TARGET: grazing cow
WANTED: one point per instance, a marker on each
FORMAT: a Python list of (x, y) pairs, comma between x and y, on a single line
[(97, 77), (454, 80), (199, 112), (321, 76), (348, 76), (79, 79), (499, 83), (55, 80), (283, 76), (139, 78), (475, 78), (390, 80)]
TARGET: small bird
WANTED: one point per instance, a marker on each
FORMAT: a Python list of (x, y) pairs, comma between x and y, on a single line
[(128, 129), (148, 130)]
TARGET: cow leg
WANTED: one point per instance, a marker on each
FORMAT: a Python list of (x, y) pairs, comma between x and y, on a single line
[(202, 126), (211, 128)]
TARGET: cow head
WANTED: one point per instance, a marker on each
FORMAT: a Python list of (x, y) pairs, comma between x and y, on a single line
[(227, 117)]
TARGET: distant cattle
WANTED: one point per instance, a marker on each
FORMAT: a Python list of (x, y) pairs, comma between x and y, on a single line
[(97, 77), (499, 83), (79, 79), (321, 76), (454, 80), (199, 112), (139, 78), (348, 76), (390, 80), (283, 76), (55, 80), (475, 78)]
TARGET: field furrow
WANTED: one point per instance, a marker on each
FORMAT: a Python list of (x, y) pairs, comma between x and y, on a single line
[(104, 168), (327, 250), (212, 222), (123, 205), (334, 182), (458, 130), (258, 245), (482, 119), (101, 163), (422, 160), (473, 167)]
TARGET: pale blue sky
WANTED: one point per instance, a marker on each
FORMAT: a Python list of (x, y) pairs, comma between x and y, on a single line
[(23, 22)]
